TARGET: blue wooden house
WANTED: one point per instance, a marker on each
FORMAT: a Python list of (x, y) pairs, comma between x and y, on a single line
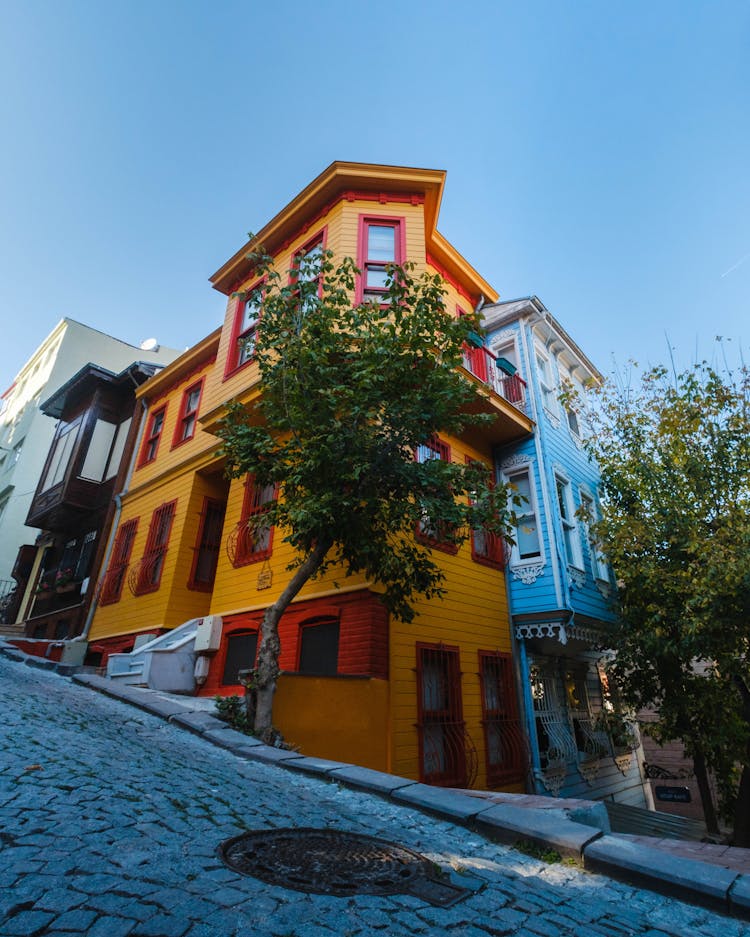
[(560, 586)]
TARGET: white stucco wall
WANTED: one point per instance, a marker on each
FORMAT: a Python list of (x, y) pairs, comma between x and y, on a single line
[(26, 433)]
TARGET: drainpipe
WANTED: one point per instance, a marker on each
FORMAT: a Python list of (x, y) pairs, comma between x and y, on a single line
[(83, 636)]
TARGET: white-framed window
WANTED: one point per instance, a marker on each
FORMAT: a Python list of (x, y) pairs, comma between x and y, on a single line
[(576, 404), (527, 532), (547, 385), (566, 506), (507, 349), (599, 565)]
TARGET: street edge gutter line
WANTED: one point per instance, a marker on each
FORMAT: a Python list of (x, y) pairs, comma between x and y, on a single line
[(689, 880)]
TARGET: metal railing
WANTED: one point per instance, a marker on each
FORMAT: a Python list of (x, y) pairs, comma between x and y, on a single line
[(483, 364)]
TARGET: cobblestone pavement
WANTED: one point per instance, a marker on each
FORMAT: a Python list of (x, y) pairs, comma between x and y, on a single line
[(110, 818)]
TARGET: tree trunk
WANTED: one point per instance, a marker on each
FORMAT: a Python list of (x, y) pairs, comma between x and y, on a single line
[(701, 776), (267, 669)]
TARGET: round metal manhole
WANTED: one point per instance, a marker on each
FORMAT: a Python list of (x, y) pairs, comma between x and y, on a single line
[(332, 862)]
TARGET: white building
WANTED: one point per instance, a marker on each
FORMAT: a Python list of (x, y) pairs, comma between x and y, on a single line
[(26, 433)]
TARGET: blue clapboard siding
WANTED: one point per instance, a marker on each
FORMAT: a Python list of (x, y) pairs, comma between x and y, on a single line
[(516, 330)]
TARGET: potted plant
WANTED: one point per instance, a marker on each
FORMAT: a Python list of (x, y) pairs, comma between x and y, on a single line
[(64, 581)]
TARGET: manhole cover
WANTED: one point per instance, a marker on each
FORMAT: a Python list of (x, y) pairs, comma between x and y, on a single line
[(330, 862)]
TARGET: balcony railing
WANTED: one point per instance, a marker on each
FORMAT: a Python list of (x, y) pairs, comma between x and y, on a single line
[(483, 364)]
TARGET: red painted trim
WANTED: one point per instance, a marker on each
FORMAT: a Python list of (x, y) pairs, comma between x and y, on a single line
[(155, 548), (449, 278), (398, 222), (363, 636), (248, 510), (494, 561), (320, 618), (452, 716), (177, 439), (114, 578), (167, 392), (444, 454), (192, 584), (231, 366), (505, 716), (150, 438)]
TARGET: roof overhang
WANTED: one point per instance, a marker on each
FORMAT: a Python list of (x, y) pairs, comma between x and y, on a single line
[(343, 179)]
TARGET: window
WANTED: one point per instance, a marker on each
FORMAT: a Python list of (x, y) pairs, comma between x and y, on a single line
[(253, 537), (115, 575), (97, 455), (240, 655), (247, 326), (319, 647), (207, 545), (546, 382), (487, 548), (591, 516), (574, 390), (149, 570), (503, 740), (431, 530), (380, 244), (440, 725), (567, 518), (528, 544), (60, 454), (185, 428), (307, 269), (153, 435)]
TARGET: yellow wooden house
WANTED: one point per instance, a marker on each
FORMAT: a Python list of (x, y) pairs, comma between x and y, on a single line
[(433, 699)]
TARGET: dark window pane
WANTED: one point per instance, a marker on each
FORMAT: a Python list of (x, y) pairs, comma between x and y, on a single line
[(319, 648), (240, 655)]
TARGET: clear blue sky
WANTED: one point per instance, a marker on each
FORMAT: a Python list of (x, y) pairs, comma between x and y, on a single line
[(598, 154)]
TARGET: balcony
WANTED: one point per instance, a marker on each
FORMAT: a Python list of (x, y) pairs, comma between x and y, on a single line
[(497, 388), (480, 362)]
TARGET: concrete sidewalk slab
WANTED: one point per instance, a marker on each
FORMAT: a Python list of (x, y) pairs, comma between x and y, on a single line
[(198, 721), (318, 766), (368, 779), (439, 800), (640, 865), (508, 824)]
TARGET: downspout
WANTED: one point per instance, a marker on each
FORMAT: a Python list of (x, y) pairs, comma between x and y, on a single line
[(83, 636)]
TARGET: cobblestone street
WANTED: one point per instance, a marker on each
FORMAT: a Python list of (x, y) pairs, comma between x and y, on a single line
[(110, 820)]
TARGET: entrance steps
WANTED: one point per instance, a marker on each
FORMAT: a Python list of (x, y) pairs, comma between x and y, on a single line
[(137, 667)]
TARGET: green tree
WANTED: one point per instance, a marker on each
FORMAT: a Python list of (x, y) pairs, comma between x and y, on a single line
[(674, 453), (348, 393)]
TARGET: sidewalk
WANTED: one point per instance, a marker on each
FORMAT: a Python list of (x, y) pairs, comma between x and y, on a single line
[(727, 857)]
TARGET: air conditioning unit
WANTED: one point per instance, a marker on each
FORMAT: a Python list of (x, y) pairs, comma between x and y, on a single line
[(208, 635)]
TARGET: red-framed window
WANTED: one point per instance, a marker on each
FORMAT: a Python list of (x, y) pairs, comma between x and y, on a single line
[(188, 418), (245, 328), (153, 436), (146, 576), (318, 651), (431, 530), (503, 738), (207, 545), (487, 548), (307, 267), (440, 725), (381, 241), (118, 565), (241, 648), (253, 540)]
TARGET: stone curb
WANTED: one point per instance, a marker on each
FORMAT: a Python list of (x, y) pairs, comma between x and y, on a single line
[(687, 879)]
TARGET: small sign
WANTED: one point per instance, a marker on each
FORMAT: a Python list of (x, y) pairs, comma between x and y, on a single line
[(265, 579), (673, 795)]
